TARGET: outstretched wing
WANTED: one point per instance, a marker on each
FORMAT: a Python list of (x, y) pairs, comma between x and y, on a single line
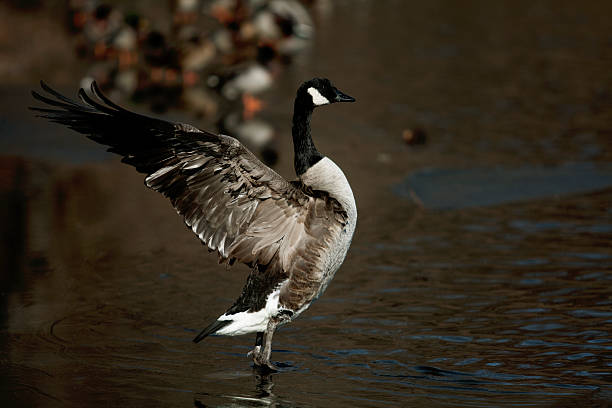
[(234, 203)]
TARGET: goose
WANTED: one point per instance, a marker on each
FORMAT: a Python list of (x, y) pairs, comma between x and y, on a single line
[(256, 134), (293, 235), (284, 22)]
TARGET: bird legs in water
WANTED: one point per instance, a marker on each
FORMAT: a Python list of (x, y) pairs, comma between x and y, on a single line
[(256, 352), (261, 356)]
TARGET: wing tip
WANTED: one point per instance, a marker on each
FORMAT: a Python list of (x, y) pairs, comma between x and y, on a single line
[(38, 96)]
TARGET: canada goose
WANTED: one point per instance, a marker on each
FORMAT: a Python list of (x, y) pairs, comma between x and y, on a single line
[(253, 79), (98, 33), (256, 134), (287, 23), (293, 235)]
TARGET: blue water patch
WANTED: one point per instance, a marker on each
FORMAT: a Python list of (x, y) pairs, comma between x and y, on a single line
[(452, 339), (536, 226), (597, 341), (529, 262), (350, 352), (593, 275), (445, 189), (589, 255), (468, 361), (590, 313), (532, 310), (596, 229), (531, 281), (542, 327), (579, 356)]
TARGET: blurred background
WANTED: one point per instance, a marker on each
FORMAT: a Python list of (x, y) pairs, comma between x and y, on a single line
[(479, 152)]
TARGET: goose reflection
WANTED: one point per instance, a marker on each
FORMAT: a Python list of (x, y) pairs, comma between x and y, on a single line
[(262, 394), (264, 385)]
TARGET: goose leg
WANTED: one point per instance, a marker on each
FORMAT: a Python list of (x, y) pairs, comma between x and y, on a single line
[(258, 343), (259, 339), (262, 357)]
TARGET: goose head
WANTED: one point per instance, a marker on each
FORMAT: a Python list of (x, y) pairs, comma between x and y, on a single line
[(318, 92), (313, 93)]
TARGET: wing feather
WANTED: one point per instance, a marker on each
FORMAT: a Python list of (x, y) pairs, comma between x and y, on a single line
[(235, 204)]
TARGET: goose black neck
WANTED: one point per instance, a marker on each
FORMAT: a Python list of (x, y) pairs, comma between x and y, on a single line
[(306, 154)]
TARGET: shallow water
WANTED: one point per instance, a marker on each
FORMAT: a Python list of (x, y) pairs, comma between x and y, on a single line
[(479, 275), (445, 189)]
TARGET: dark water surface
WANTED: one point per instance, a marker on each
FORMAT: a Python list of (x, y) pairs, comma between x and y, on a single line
[(481, 270)]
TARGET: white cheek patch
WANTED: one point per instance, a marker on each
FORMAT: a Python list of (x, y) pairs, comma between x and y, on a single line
[(317, 98)]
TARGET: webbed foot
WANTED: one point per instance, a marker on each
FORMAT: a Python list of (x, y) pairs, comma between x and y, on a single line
[(262, 361), (266, 368)]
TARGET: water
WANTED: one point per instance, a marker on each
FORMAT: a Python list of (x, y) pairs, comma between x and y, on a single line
[(469, 291), (444, 189)]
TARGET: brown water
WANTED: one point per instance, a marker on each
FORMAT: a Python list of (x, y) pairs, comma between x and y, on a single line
[(479, 275)]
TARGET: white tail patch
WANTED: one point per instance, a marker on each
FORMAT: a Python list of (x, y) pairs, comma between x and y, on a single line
[(254, 321), (317, 98)]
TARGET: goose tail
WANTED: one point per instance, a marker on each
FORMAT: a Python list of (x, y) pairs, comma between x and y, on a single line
[(211, 329)]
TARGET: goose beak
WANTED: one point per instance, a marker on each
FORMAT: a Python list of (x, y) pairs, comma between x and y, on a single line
[(342, 97)]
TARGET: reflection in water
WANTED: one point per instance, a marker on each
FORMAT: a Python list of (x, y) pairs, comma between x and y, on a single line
[(264, 386), (260, 396)]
